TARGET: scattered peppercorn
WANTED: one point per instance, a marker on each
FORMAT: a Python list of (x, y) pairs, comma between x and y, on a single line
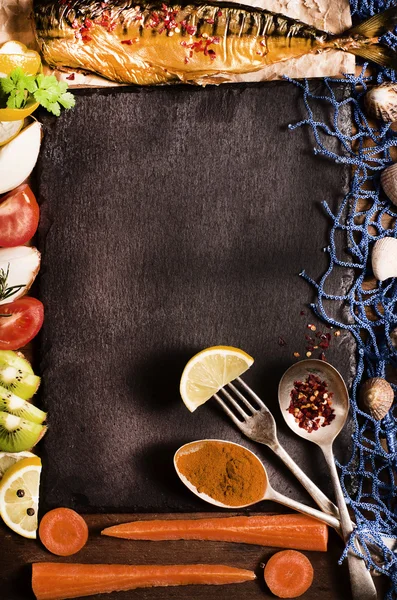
[(311, 404), (20, 493), (30, 512)]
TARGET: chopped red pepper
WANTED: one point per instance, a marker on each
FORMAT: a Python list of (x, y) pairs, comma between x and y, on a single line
[(311, 403)]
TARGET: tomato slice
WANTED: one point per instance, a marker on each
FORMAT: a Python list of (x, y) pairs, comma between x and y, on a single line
[(24, 319), (19, 216)]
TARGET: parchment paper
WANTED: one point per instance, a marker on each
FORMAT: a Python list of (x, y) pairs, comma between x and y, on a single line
[(328, 15)]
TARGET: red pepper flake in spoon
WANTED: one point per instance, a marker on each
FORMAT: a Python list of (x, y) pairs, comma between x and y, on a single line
[(311, 404)]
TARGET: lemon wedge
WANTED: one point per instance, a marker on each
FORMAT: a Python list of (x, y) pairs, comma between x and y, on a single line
[(209, 370), (7, 459), (9, 130), (18, 114), (19, 496), (16, 55)]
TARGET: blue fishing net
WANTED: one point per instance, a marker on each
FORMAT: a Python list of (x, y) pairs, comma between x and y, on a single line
[(369, 478)]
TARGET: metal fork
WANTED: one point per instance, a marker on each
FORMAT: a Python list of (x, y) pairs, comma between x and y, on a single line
[(260, 427)]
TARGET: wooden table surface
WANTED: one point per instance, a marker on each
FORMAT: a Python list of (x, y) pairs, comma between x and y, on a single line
[(330, 582)]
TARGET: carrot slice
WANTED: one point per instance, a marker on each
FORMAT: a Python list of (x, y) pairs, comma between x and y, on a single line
[(281, 531), (56, 581), (288, 574), (63, 532)]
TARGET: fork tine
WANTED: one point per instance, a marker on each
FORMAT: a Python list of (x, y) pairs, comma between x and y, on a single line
[(227, 410), (242, 398), (251, 393), (235, 404)]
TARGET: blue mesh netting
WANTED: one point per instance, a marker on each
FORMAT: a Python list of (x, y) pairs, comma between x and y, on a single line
[(368, 478)]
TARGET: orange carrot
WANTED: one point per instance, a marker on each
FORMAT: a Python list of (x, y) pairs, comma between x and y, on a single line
[(56, 581), (280, 531), (288, 574), (63, 532)]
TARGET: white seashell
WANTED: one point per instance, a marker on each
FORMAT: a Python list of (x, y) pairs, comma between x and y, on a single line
[(388, 180), (381, 101), (384, 258), (377, 396)]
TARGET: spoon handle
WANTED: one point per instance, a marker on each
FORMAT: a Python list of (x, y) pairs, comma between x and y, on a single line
[(362, 585), (318, 496), (272, 494)]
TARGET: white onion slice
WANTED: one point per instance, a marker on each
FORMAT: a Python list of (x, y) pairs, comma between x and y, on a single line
[(18, 157), (23, 264)]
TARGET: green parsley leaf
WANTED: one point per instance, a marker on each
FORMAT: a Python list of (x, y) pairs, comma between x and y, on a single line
[(18, 88), (67, 100)]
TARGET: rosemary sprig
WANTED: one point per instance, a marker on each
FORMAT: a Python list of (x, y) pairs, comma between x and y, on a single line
[(5, 291)]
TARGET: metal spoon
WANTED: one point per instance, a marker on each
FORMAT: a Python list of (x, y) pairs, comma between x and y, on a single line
[(269, 493), (362, 586)]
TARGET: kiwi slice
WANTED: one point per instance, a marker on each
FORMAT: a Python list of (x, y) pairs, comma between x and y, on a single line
[(17, 435), (16, 374), (15, 359), (15, 405)]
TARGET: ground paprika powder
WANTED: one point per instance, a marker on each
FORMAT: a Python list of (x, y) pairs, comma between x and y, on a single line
[(226, 472)]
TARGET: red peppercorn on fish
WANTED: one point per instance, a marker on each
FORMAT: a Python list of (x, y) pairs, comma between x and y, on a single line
[(57, 581), (154, 43)]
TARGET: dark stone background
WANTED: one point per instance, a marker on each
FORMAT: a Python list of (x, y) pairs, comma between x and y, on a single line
[(173, 219)]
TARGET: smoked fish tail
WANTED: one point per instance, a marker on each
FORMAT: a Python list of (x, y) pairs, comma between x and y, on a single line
[(363, 39)]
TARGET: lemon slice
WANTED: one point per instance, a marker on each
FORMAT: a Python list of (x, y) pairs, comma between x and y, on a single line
[(16, 55), (209, 370), (19, 496), (7, 459), (9, 130), (18, 114)]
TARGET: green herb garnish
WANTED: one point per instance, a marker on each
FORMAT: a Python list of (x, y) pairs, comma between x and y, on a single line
[(5, 291), (19, 88)]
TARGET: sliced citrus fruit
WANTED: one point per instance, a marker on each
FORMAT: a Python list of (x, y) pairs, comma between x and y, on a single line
[(15, 55), (9, 130), (18, 114), (7, 459), (19, 496), (209, 370)]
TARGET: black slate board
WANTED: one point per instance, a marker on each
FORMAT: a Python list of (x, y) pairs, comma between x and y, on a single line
[(172, 219)]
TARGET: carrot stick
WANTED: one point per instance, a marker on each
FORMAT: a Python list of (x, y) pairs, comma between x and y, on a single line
[(63, 532), (56, 581), (288, 574), (281, 531)]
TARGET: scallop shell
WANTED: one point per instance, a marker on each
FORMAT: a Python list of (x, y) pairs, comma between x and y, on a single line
[(388, 180), (384, 258), (381, 101), (377, 396)]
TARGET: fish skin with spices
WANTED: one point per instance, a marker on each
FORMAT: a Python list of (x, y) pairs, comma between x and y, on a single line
[(156, 43)]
